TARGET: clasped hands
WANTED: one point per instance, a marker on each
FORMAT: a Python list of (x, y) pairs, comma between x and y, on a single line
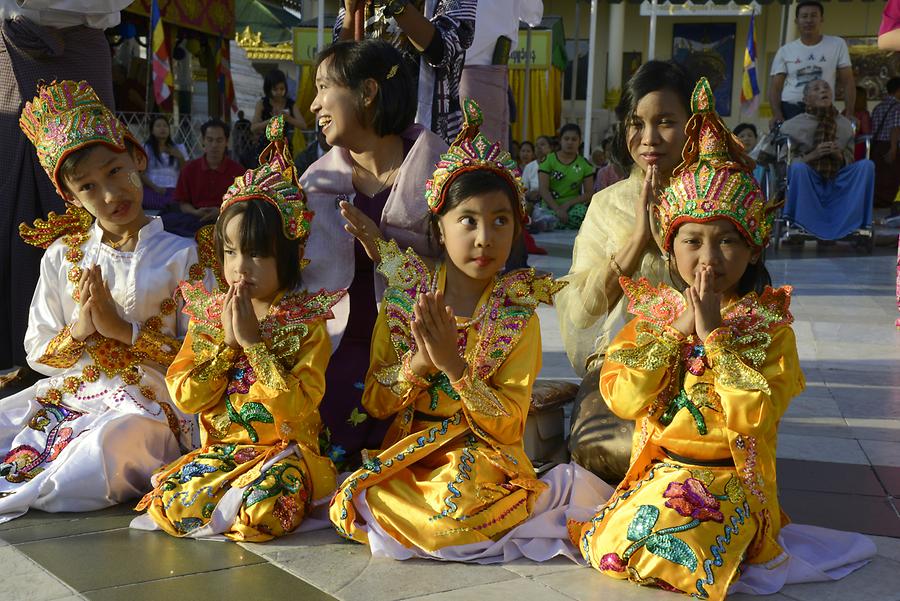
[(435, 333), (434, 324), (99, 312), (703, 313), (239, 319)]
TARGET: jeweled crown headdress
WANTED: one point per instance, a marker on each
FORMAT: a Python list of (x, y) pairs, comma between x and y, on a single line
[(65, 117), (714, 179), (275, 181), (472, 151)]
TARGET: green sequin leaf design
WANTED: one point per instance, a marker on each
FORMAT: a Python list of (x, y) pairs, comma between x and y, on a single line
[(674, 549), (249, 412), (440, 382), (643, 522)]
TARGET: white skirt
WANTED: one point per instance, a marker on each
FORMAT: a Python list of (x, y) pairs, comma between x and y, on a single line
[(96, 448)]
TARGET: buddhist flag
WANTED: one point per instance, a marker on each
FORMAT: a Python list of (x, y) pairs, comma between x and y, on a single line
[(749, 84), (223, 77), (161, 68)]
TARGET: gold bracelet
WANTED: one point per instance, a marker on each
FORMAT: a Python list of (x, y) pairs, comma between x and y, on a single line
[(615, 266)]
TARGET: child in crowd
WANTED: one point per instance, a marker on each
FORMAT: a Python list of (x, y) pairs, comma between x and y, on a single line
[(253, 367), (567, 180), (707, 374), (102, 326), (452, 470)]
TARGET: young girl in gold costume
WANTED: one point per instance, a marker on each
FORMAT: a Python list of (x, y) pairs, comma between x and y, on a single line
[(707, 374), (253, 367), (452, 471)]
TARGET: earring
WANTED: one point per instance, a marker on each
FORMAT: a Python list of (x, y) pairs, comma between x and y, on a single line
[(135, 179)]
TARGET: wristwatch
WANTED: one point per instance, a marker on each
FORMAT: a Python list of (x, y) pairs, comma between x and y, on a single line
[(393, 8)]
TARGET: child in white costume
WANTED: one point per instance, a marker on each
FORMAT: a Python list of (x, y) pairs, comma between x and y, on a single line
[(103, 324)]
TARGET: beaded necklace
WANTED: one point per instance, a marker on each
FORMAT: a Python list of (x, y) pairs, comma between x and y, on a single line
[(110, 356)]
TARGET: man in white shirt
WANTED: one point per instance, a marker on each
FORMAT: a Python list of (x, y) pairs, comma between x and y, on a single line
[(485, 76), (39, 40), (813, 56)]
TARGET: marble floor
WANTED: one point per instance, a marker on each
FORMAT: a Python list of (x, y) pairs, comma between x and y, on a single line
[(838, 461)]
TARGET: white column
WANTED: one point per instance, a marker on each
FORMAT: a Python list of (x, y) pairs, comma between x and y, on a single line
[(651, 43), (320, 25), (614, 58), (589, 104), (791, 24)]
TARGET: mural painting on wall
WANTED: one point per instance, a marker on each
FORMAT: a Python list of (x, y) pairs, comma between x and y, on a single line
[(872, 68), (707, 49)]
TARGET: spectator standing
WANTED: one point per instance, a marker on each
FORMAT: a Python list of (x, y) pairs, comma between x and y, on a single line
[(275, 101), (829, 195), (243, 144), (813, 56), (485, 77), (203, 182), (164, 162), (885, 139), (433, 36), (567, 179), (39, 42)]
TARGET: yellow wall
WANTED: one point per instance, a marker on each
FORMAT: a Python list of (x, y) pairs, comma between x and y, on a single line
[(855, 18)]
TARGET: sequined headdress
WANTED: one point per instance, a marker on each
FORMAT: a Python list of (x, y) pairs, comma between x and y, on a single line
[(275, 181), (473, 151), (714, 179), (65, 117)]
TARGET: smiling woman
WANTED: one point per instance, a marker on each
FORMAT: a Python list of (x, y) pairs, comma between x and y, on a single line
[(380, 161)]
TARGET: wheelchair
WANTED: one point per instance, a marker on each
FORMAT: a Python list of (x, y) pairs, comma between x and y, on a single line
[(775, 186)]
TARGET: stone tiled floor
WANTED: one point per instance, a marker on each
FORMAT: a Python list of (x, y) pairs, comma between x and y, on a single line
[(839, 466)]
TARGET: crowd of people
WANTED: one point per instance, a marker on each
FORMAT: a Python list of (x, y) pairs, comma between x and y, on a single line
[(350, 341)]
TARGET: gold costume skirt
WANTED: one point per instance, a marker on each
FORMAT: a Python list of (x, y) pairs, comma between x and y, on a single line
[(438, 488), (681, 527), (273, 502)]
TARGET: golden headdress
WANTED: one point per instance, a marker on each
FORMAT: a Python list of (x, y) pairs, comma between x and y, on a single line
[(275, 181), (714, 179), (65, 117), (469, 152)]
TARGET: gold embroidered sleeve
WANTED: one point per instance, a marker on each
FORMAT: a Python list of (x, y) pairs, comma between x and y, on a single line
[(654, 347), (156, 346), (724, 353), (63, 351), (218, 366), (266, 366), (478, 397), (400, 377)]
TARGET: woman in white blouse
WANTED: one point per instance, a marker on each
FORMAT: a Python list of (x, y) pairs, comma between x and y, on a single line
[(164, 162)]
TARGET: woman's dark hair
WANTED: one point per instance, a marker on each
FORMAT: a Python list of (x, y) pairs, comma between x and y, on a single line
[(272, 79), (352, 63), (153, 143), (745, 126), (569, 127), (469, 184), (262, 233), (755, 278), (652, 76)]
